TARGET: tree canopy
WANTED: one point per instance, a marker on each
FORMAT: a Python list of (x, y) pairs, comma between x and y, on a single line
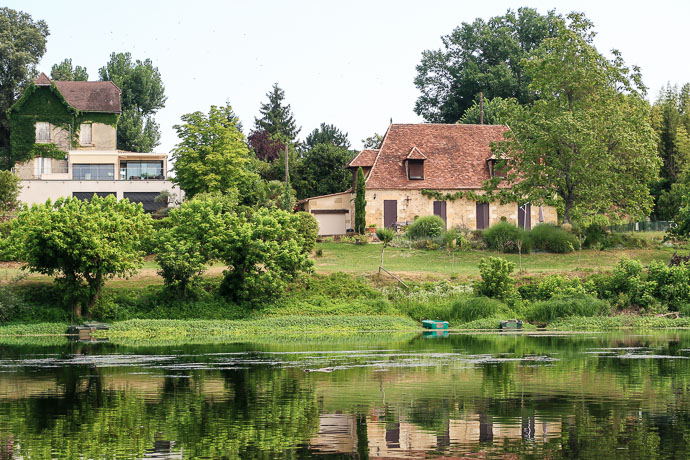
[(212, 156), (373, 141), (276, 117), (143, 94), (327, 134), (22, 44), (322, 170), (10, 186), (588, 139), (65, 72), (481, 56)]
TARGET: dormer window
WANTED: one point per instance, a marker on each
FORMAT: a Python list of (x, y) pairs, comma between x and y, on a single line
[(415, 169), (414, 164), (42, 131), (497, 168)]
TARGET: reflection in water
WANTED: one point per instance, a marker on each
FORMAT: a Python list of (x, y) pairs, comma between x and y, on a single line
[(566, 396)]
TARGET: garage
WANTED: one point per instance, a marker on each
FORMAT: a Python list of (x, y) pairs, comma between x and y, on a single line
[(331, 221)]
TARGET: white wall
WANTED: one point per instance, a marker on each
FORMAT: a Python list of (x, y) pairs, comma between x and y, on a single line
[(38, 191)]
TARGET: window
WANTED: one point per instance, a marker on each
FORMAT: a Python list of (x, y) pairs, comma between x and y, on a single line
[(141, 170), (42, 131), (497, 168), (85, 134), (93, 172), (42, 166), (415, 169)]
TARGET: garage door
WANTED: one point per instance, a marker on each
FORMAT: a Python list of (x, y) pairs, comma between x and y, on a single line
[(331, 224)]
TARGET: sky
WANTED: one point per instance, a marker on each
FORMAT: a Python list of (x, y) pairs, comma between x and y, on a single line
[(349, 63)]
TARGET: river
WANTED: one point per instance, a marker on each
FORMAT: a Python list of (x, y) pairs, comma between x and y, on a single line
[(588, 395)]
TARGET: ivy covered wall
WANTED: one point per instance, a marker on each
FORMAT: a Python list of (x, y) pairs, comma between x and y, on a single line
[(45, 103)]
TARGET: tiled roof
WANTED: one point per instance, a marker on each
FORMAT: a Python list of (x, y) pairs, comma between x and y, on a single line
[(365, 158), (91, 96), (455, 156), (42, 80)]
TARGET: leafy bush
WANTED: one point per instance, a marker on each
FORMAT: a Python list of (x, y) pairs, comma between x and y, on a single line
[(496, 281), (505, 237), (385, 235), (548, 237), (308, 229), (10, 304), (582, 305), (474, 308), (426, 227), (8, 252), (552, 286), (671, 284), (596, 231)]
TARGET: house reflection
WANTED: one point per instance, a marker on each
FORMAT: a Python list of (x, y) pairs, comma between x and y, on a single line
[(403, 439)]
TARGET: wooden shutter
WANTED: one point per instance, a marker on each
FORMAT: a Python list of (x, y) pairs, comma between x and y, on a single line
[(440, 210), (482, 216), (42, 131), (85, 134), (390, 213), (525, 216), (416, 169)]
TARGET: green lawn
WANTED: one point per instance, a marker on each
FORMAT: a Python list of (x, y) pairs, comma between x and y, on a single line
[(362, 259)]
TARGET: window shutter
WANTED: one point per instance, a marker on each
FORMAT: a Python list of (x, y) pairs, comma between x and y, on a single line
[(42, 131), (85, 134), (416, 169)]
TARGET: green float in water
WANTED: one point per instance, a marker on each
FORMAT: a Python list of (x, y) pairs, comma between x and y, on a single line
[(431, 324), (511, 324)]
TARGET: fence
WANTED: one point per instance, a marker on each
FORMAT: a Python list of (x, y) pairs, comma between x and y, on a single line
[(658, 226)]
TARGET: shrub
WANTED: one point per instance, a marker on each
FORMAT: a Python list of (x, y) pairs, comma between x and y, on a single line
[(307, 229), (552, 286), (595, 231), (496, 281), (8, 251), (671, 284), (474, 308), (385, 235), (548, 237), (583, 305), (426, 227), (504, 237)]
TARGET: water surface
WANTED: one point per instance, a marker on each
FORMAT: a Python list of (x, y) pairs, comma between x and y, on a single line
[(372, 396)]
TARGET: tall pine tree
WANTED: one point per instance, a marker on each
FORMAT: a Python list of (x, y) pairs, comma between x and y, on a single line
[(276, 117)]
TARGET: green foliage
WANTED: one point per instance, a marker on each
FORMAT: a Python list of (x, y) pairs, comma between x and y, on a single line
[(82, 243), (360, 203), (682, 217), (595, 231), (497, 111), (672, 284), (385, 235), (327, 134), (263, 253), (553, 286), (482, 56), (8, 251), (143, 94), (426, 227), (322, 171), (496, 281), (373, 142), (10, 185), (23, 44), (307, 228), (276, 118), (192, 239), (65, 72), (548, 237), (564, 307), (505, 237), (588, 139), (212, 156), (474, 308)]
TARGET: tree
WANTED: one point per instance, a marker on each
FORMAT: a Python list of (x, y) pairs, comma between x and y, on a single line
[(276, 118), (10, 185), (143, 94), (82, 243), (360, 203), (588, 140), (263, 253), (327, 134), (385, 235), (482, 56), (22, 44), (497, 111), (323, 171), (264, 147), (373, 142), (212, 156), (65, 72)]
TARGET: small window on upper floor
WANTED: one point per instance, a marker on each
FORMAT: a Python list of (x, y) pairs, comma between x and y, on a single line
[(42, 131), (415, 169), (85, 134)]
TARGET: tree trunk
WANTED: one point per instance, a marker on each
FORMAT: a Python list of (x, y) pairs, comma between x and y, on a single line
[(76, 310), (95, 292)]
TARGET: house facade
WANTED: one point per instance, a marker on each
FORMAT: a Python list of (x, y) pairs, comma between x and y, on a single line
[(64, 134), (425, 169)]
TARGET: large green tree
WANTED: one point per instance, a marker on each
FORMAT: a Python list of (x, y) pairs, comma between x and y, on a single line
[(22, 44), (322, 170), (276, 117), (588, 140), (143, 94), (327, 134), (212, 156), (481, 56), (10, 186), (82, 244), (65, 72)]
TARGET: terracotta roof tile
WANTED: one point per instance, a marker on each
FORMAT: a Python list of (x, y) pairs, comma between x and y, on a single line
[(365, 158), (91, 96), (42, 80), (455, 156)]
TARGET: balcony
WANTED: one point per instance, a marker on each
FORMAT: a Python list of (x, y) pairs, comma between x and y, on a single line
[(142, 170)]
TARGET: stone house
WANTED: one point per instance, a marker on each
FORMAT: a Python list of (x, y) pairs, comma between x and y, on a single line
[(65, 135), (416, 165)]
